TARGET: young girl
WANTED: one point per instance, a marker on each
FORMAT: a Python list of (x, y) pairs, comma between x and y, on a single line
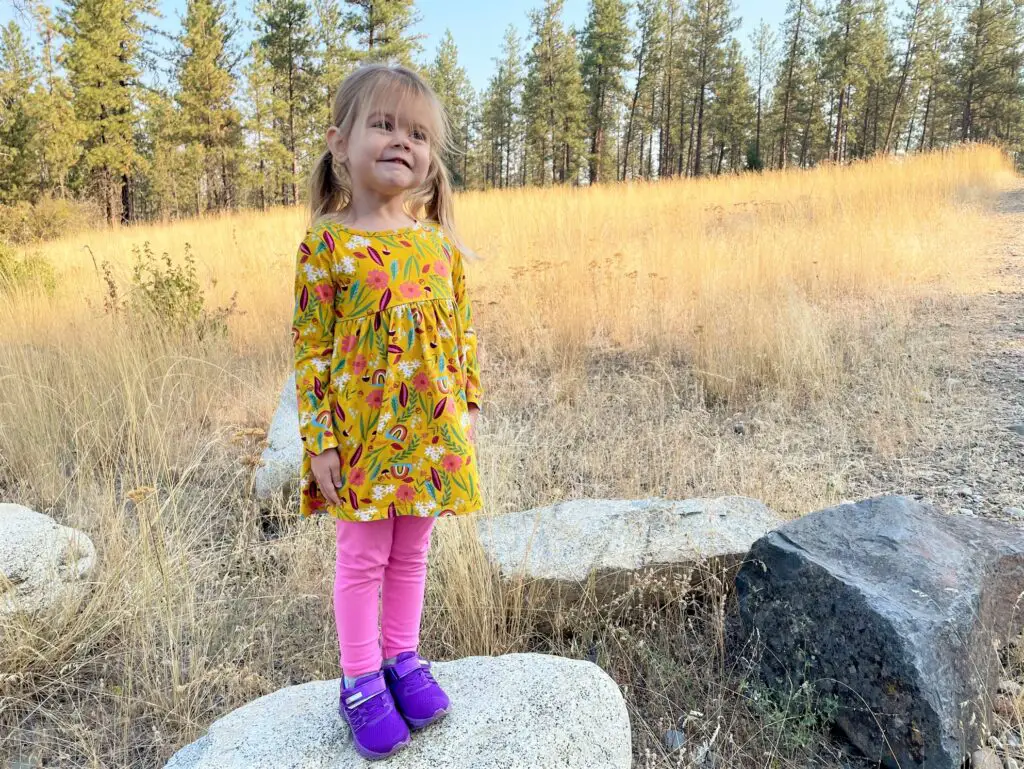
[(388, 386)]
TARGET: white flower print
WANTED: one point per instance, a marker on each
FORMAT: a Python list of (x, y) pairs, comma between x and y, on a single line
[(385, 417), (357, 241), (319, 364), (408, 367), (443, 332), (380, 491), (315, 273), (367, 513), (425, 508), (465, 419), (343, 379), (348, 265), (434, 452)]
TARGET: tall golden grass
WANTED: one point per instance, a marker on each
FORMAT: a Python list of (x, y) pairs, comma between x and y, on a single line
[(677, 339)]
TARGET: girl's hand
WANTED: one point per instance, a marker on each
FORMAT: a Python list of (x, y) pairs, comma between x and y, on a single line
[(327, 471), (474, 412)]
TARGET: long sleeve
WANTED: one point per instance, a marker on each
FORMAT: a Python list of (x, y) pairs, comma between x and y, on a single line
[(313, 342), (468, 343)]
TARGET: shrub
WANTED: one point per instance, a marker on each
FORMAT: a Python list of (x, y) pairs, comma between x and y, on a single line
[(49, 218), (25, 272), (167, 293)]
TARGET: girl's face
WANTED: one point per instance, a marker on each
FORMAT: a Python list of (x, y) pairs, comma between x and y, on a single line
[(386, 153)]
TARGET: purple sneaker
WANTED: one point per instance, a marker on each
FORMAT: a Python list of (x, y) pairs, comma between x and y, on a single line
[(378, 730), (419, 698)]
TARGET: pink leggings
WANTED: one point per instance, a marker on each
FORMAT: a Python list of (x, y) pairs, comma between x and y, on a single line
[(388, 557)]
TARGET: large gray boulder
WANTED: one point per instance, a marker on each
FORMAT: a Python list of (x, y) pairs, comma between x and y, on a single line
[(610, 539), (519, 711), (42, 563), (281, 461), (893, 609)]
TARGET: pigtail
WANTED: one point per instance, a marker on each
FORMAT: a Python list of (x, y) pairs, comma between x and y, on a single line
[(323, 192)]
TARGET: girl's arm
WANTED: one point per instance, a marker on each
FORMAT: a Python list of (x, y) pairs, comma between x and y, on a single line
[(313, 342), (474, 389)]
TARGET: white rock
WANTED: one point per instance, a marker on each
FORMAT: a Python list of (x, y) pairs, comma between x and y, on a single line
[(42, 563), (985, 758), (1010, 688), (518, 711), (570, 540), (282, 458)]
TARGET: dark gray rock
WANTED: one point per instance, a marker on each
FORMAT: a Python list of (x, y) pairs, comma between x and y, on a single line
[(895, 611)]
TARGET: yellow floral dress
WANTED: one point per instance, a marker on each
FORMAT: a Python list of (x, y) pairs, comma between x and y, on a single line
[(385, 367)]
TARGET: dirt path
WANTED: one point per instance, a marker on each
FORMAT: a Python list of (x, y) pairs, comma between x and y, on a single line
[(971, 458)]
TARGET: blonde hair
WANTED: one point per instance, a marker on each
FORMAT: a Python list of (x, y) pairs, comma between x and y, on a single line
[(363, 91)]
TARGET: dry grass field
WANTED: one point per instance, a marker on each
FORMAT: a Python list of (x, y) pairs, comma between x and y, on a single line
[(758, 335)]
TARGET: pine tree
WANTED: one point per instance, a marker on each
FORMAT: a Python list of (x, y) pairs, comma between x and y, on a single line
[(553, 100), (169, 186), (762, 66), (936, 73), (383, 29), (17, 79), (605, 46), (913, 21), (712, 23), (675, 76), (101, 58), (288, 48), (451, 83), (209, 121), (732, 112), (501, 118), (647, 63), (793, 73), (56, 134), (338, 58), (990, 71), (267, 159)]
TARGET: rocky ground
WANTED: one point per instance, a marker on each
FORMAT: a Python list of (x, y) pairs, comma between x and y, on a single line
[(971, 457), (970, 460)]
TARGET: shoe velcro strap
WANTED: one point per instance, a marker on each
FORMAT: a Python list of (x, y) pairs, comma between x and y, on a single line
[(407, 666), (371, 688)]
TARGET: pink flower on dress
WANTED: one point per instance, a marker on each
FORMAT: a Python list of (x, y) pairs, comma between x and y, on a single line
[(421, 382), (411, 290), (348, 343), (405, 493), (356, 476), (451, 462), (375, 398), (359, 364), (441, 268), (324, 292), (377, 279)]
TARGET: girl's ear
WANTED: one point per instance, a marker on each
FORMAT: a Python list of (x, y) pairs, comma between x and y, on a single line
[(337, 143)]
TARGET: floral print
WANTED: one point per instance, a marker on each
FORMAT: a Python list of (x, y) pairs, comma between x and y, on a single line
[(385, 367)]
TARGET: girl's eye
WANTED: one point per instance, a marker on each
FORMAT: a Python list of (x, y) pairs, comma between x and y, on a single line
[(382, 123), (418, 135)]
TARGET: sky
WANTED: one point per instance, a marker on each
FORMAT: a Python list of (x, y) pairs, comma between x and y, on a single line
[(478, 27)]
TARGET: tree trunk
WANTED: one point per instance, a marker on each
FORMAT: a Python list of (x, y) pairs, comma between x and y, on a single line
[(904, 74)]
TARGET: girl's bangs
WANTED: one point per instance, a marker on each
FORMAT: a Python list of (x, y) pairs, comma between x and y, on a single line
[(405, 100)]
